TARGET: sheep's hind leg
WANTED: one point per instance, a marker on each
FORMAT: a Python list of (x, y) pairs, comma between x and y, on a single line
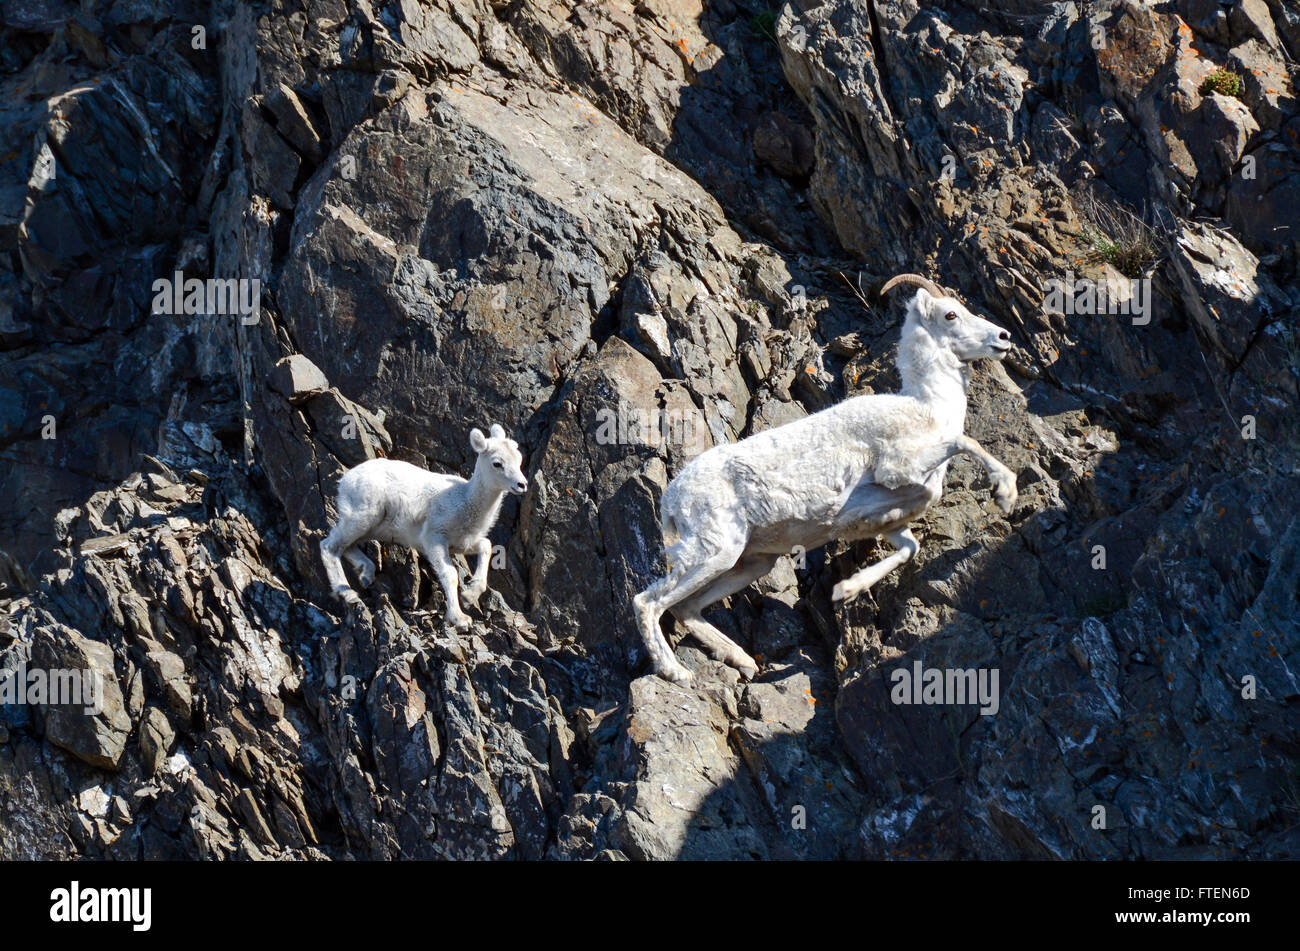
[(682, 581), (719, 645), (858, 583)]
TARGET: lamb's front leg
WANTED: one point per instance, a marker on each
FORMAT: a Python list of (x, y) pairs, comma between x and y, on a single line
[(478, 584), (436, 551), (1003, 479)]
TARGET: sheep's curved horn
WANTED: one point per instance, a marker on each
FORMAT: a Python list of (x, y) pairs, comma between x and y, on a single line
[(916, 279)]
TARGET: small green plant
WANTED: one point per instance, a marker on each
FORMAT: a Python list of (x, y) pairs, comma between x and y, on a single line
[(764, 24), (1223, 81), (1130, 260), (1120, 238)]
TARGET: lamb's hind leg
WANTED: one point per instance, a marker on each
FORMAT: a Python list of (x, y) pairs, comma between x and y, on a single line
[(345, 534), (684, 579), (365, 568), (857, 584), (719, 645)]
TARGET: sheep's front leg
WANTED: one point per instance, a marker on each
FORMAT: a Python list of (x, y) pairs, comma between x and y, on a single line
[(439, 557), (860, 582), (1003, 479), (478, 584)]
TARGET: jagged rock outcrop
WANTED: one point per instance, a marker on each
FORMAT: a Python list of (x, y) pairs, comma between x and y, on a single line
[(629, 231)]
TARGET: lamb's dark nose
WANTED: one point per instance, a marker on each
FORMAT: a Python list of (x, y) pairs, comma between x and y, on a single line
[(1004, 335), (521, 486)]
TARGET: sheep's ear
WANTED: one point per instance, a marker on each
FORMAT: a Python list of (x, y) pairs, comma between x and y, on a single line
[(923, 299), (497, 431), (477, 441)]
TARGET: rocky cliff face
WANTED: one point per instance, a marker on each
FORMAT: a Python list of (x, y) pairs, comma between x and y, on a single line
[(628, 231)]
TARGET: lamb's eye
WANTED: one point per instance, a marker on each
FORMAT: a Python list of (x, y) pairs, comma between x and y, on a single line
[(496, 465), (951, 315)]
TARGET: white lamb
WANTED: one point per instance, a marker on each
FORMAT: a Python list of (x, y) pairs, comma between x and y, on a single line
[(861, 469), (440, 515)]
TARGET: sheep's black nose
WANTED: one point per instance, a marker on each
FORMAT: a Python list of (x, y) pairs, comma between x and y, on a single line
[(1004, 335), (521, 486)]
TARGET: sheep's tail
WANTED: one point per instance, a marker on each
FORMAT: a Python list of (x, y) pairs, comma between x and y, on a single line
[(674, 548), (669, 528), (668, 525)]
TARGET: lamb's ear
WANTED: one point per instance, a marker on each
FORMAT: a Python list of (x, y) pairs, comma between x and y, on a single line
[(497, 431), (477, 441)]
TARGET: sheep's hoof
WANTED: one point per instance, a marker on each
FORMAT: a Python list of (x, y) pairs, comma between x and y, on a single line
[(460, 622), (366, 577), (677, 674), (844, 592), (351, 598), (1005, 494), (747, 667)]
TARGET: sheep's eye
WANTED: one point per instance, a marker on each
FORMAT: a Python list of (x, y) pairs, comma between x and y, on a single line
[(951, 315), (496, 465)]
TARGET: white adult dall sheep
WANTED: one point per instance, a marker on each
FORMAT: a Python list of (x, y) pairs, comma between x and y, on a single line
[(863, 468), (440, 515)]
